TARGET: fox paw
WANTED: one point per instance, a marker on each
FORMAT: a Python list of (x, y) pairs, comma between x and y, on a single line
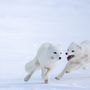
[(46, 81), (56, 78)]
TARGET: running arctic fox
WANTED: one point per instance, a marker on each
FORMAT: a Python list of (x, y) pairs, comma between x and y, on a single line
[(45, 59), (78, 55)]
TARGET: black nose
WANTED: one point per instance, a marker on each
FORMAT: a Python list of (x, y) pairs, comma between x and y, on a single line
[(66, 53), (59, 57)]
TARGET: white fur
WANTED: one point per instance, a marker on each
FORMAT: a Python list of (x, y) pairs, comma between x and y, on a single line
[(81, 57), (45, 60)]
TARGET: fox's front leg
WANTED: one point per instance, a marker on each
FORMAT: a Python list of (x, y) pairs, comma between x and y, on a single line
[(45, 72), (60, 75)]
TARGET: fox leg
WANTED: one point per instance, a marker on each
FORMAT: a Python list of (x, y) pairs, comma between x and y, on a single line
[(60, 75), (28, 76), (31, 70), (45, 72)]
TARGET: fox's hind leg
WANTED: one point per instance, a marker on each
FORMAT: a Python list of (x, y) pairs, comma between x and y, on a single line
[(28, 76), (31, 68)]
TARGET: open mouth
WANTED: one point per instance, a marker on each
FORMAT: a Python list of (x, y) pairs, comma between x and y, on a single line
[(70, 57)]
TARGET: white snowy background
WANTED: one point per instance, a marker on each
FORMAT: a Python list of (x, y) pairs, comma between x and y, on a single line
[(25, 25)]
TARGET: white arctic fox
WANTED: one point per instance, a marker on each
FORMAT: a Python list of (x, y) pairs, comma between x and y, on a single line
[(45, 59), (78, 55)]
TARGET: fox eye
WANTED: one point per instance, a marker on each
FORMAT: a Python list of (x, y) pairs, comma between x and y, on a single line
[(73, 51), (55, 52)]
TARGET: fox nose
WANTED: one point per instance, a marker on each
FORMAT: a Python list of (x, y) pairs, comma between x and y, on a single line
[(59, 57), (66, 53)]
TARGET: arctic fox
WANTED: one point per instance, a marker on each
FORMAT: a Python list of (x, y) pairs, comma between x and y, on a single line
[(45, 59), (78, 55)]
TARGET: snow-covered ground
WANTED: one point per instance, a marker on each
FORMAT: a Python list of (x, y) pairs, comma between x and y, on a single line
[(68, 83), (25, 25)]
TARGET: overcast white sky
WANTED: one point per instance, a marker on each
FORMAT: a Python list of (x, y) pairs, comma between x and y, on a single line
[(26, 24)]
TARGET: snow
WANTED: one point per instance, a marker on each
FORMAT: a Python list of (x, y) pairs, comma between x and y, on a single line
[(65, 84), (25, 25)]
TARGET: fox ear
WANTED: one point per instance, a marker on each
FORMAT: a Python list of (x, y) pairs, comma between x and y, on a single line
[(79, 46), (73, 43)]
